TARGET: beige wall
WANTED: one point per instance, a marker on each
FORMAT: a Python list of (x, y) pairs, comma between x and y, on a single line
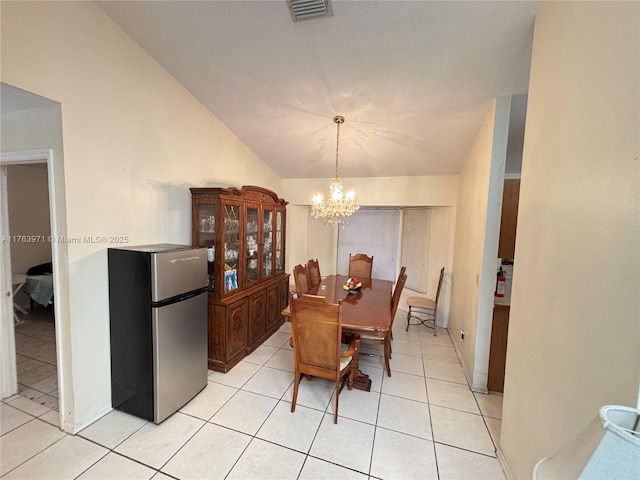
[(437, 191), (574, 336), (476, 244), (134, 140), (420, 191), (28, 203)]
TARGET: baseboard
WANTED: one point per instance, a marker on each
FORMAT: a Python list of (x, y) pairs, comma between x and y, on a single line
[(462, 364), (473, 387), (75, 428), (480, 389), (504, 464)]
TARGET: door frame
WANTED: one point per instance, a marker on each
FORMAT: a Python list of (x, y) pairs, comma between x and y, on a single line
[(8, 371), (7, 347)]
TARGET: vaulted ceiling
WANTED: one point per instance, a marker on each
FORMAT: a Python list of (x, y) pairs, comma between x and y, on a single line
[(414, 79)]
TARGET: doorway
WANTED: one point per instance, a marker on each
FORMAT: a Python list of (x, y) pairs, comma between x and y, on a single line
[(31, 268), (29, 347)]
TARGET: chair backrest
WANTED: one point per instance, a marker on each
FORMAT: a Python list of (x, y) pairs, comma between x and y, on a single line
[(403, 270), (301, 279), (395, 299), (360, 265), (313, 267), (316, 328), (439, 285)]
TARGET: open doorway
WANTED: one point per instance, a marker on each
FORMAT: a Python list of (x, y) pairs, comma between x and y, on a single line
[(30, 341), (32, 281)]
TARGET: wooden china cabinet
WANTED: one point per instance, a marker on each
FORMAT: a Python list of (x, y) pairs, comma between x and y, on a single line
[(244, 232)]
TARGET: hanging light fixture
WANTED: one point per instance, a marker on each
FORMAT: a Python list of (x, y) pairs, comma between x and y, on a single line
[(338, 206)]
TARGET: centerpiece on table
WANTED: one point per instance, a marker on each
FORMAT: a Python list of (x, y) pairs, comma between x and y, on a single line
[(353, 285)]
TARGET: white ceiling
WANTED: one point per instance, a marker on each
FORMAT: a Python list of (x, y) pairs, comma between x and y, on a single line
[(14, 99), (414, 79)]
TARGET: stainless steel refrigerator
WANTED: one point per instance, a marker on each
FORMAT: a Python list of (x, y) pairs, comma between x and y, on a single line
[(158, 326)]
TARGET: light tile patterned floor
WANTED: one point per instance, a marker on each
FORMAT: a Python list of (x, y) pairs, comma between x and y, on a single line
[(421, 423), (36, 359)]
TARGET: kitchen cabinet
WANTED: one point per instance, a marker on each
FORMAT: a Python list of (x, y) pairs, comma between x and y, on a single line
[(498, 349), (509, 219), (244, 232)]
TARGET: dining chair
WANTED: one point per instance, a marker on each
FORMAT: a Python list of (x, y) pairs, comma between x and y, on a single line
[(424, 309), (316, 327), (403, 269), (386, 340), (360, 265), (301, 279), (313, 267)]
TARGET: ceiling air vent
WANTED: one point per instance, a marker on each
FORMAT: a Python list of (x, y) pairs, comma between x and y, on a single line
[(307, 9)]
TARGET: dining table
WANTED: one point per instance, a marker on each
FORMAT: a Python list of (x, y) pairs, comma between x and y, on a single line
[(364, 311)]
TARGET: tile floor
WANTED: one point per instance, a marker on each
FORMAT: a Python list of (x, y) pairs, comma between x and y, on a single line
[(421, 423), (36, 357)]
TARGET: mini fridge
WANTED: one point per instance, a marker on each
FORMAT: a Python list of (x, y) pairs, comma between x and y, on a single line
[(158, 327)]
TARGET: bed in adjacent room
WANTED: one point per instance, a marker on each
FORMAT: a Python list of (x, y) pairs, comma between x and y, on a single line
[(39, 284)]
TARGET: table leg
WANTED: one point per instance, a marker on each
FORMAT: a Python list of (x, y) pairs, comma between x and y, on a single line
[(16, 320), (361, 380)]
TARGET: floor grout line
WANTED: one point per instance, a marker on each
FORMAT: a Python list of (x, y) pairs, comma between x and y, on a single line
[(326, 412)]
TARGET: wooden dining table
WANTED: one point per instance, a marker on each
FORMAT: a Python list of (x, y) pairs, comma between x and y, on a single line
[(366, 311)]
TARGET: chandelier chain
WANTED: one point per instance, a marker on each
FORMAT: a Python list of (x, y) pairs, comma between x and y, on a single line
[(337, 145)]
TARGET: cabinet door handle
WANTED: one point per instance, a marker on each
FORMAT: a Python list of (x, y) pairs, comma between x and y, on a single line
[(238, 324)]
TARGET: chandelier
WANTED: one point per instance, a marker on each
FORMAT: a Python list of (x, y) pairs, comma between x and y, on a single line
[(338, 206)]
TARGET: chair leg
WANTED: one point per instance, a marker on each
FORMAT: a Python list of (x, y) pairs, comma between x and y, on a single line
[(408, 318), (296, 384), (387, 354), (335, 414)]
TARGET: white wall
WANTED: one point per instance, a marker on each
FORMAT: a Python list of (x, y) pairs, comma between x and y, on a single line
[(134, 140), (574, 336)]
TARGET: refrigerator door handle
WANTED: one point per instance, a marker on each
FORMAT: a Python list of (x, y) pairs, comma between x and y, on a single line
[(179, 298)]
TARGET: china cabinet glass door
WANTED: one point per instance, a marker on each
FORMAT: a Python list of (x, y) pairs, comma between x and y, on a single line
[(206, 238), (231, 238), (206, 225), (252, 242), (279, 239), (267, 247)]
